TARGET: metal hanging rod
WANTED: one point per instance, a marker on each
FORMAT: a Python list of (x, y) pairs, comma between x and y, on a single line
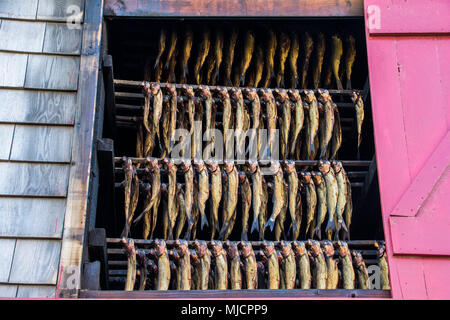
[(350, 163), (141, 84)]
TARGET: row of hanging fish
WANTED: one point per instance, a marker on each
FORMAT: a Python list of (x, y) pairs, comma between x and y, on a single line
[(309, 127), (247, 196), (242, 58), (230, 265)]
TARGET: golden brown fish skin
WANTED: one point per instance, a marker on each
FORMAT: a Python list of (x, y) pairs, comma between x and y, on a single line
[(336, 140), (204, 264), (307, 49), (271, 47), (263, 212), (220, 265), (313, 117), (236, 95), (139, 143), (319, 266), (183, 265), (195, 210), (271, 116), (130, 250), (278, 198), (147, 100), (347, 272), (230, 203), (171, 195), (258, 67), (262, 283), (279, 224), (249, 46), (350, 56), (163, 278), (341, 178), (332, 195), (361, 270), (293, 184), (134, 200), (298, 120), (173, 45), (173, 115), (218, 53), (272, 265), (226, 122), (186, 53), (311, 201), (359, 109), (250, 265), (337, 52), (321, 191), (229, 56), (203, 53), (209, 67), (382, 263), (189, 195), (181, 215), (284, 122), (203, 191), (348, 211), (284, 48), (252, 96), (246, 200), (235, 266), (288, 266), (129, 172), (205, 93), (320, 54), (146, 213), (303, 265), (216, 196), (156, 193), (142, 262), (292, 59), (161, 48), (172, 65), (165, 210), (190, 106), (157, 105), (332, 265), (328, 117)]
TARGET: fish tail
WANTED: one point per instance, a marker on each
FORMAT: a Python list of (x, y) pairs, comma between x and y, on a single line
[(318, 233), (270, 223), (330, 226), (312, 148), (282, 82), (204, 222), (339, 84), (244, 236), (242, 79), (255, 226), (216, 75), (349, 85), (294, 227), (157, 61)]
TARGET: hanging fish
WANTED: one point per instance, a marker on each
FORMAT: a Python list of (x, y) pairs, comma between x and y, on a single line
[(318, 265), (272, 265), (229, 56), (320, 54), (382, 263), (361, 270), (189, 195), (341, 178), (163, 278), (292, 59), (203, 191), (288, 266), (283, 52), (173, 45), (298, 120), (161, 47), (249, 45), (359, 109), (337, 52), (216, 196), (258, 67), (250, 265), (284, 122), (230, 203), (303, 265), (220, 271), (203, 53), (332, 195), (336, 140), (271, 47), (278, 198), (292, 193), (321, 191), (130, 250), (218, 52), (186, 53), (347, 272), (307, 49), (328, 119), (171, 195), (313, 117), (245, 192), (350, 55)]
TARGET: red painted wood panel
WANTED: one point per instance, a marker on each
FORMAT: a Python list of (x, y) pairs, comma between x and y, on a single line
[(410, 16)]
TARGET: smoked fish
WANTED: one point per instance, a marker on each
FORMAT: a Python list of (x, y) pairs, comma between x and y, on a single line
[(292, 59), (186, 54), (216, 196), (272, 265), (361, 270), (245, 192), (337, 52), (307, 49), (250, 265), (203, 51), (249, 46), (332, 195), (288, 266), (271, 47), (332, 265), (350, 56), (321, 191), (319, 266), (303, 265), (229, 56), (283, 52), (347, 272), (163, 278), (278, 198), (320, 54), (220, 265)]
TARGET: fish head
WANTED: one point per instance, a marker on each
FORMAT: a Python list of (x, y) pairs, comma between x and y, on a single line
[(253, 166), (314, 247), (324, 166), (327, 248), (204, 92), (199, 164), (354, 97), (155, 88), (324, 95), (189, 91), (286, 248), (337, 166), (160, 246), (223, 93), (357, 258), (216, 247), (342, 248), (300, 248), (236, 94), (269, 248), (171, 89), (233, 251), (309, 96), (306, 176), (251, 94), (281, 95), (381, 249), (229, 166), (294, 95), (317, 177), (242, 177), (201, 247), (246, 248)]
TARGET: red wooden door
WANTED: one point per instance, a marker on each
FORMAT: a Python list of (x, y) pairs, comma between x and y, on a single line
[(408, 45)]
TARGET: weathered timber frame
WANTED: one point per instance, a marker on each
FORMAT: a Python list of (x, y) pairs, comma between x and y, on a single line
[(74, 233)]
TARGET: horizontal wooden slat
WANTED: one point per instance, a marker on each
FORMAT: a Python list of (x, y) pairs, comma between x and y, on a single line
[(236, 294), (28, 217), (59, 10), (33, 179), (40, 107), (21, 36), (6, 256), (18, 9), (35, 262), (8, 291), (30, 291), (12, 69), (52, 72), (42, 143), (239, 8), (6, 136), (60, 39)]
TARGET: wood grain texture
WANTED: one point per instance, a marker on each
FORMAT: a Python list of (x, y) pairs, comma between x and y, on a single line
[(12, 69), (33, 179), (52, 72), (22, 36), (74, 233), (30, 291), (35, 262), (6, 256), (34, 218), (260, 8), (42, 143), (18, 9), (60, 39), (6, 136), (39, 107), (8, 291), (58, 10)]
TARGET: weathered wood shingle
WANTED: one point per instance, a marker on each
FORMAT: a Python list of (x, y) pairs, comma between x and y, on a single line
[(6, 136), (21, 36), (18, 9), (35, 261), (60, 10), (31, 217), (12, 69), (6, 255), (61, 39), (30, 291), (8, 291), (39, 107)]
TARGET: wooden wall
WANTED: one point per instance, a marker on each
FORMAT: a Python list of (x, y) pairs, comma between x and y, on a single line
[(40, 60)]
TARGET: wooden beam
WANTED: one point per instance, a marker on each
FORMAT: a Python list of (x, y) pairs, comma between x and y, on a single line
[(234, 8), (109, 128), (77, 199), (97, 251), (91, 275)]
